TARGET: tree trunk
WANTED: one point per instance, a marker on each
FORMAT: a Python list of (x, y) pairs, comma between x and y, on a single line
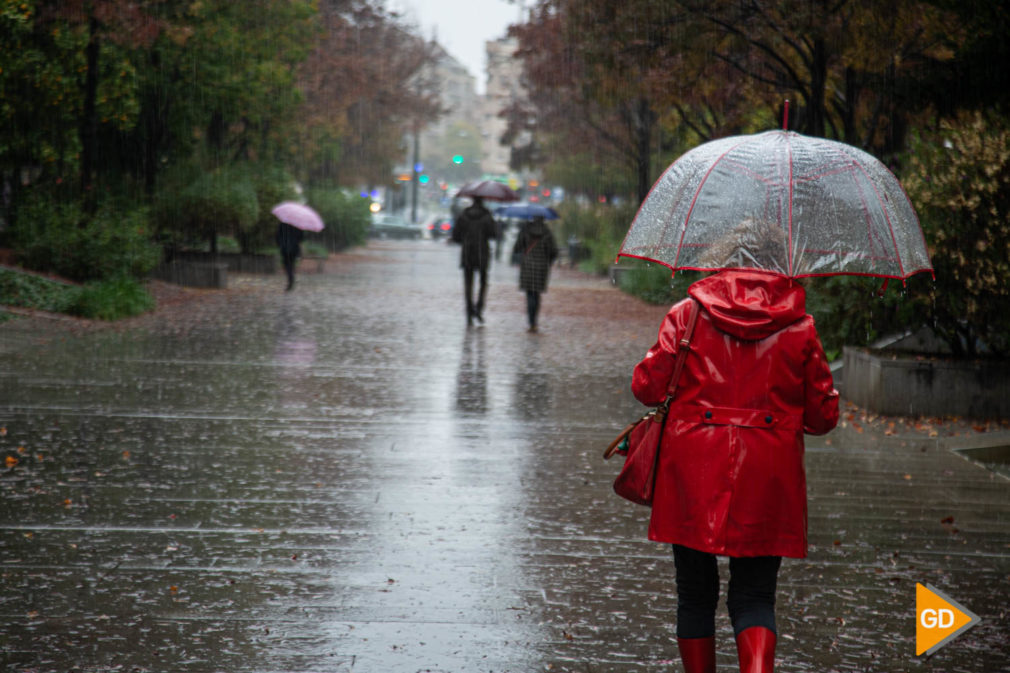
[(818, 82), (645, 121), (849, 108), (89, 118)]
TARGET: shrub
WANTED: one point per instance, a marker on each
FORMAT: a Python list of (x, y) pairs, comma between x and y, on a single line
[(194, 205), (653, 283), (959, 181), (60, 238), (112, 299), (599, 228), (851, 311), (272, 184), (313, 249), (28, 291), (346, 217)]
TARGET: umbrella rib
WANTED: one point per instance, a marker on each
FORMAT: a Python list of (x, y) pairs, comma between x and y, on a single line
[(697, 193), (790, 202), (887, 217)]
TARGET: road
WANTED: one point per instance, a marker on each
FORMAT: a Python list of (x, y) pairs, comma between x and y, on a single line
[(347, 478)]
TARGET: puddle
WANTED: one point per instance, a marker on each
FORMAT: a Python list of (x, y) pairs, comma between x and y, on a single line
[(995, 458)]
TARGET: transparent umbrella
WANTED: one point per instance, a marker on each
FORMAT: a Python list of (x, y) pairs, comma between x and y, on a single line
[(779, 201)]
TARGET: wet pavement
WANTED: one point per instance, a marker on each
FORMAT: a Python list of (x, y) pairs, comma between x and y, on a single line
[(346, 478)]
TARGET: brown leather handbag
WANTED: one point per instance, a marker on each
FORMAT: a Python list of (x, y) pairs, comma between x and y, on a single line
[(641, 440)]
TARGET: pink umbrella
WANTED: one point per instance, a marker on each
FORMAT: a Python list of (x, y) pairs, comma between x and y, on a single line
[(488, 189), (298, 215)]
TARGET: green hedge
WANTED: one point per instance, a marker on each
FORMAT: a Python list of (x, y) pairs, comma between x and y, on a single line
[(112, 299), (600, 229), (346, 217), (109, 299), (62, 239)]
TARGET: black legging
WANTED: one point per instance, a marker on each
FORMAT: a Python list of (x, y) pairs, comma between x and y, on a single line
[(289, 259), (532, 306), (474, 310), (750, 599)]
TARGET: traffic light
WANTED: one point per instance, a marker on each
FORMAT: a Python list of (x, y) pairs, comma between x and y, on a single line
[(457, 159)]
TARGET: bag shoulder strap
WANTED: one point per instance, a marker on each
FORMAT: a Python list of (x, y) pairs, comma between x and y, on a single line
[(682, 348)]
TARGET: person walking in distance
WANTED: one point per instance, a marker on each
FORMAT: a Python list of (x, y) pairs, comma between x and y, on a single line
[(730, 479), (536, 250), (474, 227), (289, 241)]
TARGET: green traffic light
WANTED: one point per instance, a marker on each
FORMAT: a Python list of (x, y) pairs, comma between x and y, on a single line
[(457, 159)]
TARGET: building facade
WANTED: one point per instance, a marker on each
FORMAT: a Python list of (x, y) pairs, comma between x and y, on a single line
[(504, 87)]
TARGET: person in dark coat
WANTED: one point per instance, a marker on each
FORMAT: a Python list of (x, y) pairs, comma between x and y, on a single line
[(537, 250), (474, 227), (289, 241), (730, 479)]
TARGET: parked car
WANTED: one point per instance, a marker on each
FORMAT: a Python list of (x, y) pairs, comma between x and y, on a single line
[(437, 226), (386, 225)]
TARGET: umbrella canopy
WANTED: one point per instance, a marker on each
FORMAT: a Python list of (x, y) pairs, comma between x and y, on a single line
[(526, 211), (488, 189), (298, 215), (779, 201)]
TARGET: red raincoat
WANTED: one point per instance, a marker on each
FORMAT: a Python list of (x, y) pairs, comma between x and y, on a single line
[(731, 478)]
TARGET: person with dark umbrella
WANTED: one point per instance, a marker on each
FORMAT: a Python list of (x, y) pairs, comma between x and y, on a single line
[(474, 227)]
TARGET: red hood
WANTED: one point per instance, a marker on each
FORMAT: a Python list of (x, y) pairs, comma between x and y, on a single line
[(750, 305)]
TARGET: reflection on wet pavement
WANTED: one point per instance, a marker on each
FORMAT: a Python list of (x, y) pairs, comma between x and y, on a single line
[(346, 478)]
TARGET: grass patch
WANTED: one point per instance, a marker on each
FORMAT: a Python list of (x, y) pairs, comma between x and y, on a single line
[(110, 299), (113, 299), (29, 291)]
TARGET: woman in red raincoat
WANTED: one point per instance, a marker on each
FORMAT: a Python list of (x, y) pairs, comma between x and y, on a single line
[(731, 480)]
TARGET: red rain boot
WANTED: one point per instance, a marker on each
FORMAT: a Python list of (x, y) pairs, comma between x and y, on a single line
[(697, 654), (755, 647)]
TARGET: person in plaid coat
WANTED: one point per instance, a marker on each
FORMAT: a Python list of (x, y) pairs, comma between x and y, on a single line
[(537, 250)]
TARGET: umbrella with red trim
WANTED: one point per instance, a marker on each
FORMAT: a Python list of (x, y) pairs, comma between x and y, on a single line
[(781, 202)]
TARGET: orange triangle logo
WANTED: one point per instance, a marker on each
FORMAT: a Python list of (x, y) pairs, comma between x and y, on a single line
[(938, 619)]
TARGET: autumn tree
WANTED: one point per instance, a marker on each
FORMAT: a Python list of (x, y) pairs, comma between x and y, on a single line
[(366, 83), (103, 25), (630, 82), (581, 62), (959, 178), (846, 66), (39, 100)]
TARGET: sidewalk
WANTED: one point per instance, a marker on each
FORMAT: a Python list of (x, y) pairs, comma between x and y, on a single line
[(345, 478)]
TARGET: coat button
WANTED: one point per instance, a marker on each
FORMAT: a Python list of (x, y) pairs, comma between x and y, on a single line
[(768, 419), (708, 414)]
